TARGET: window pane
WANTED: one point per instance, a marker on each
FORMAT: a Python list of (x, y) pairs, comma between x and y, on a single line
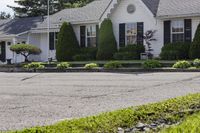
[(131, 39), (91, 31), (131, 33), (178, 38), (178, 26), (91, 41)]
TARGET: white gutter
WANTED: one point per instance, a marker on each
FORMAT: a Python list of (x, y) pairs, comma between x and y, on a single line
[(178, 16)]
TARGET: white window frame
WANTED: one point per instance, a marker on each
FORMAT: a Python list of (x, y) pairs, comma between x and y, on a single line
[(95, 36), (126, 28), (172, 33)]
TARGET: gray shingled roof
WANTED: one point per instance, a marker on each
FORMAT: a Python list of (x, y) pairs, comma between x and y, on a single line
[(178, 8), (18, 25), (152, 5), (91, 12)]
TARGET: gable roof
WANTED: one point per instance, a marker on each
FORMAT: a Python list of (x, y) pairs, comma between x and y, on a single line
[(92, 12), (152, 5), (178, 8)]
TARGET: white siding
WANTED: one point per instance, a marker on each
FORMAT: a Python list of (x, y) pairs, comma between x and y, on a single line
[(142, 14)]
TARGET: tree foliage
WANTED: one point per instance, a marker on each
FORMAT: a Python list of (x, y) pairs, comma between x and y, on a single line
[(26, 50), (32, 8), (67, 45), (195, 47), (4, 15), (107, 45)]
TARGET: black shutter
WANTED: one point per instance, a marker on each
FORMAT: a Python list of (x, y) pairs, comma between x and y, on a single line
[(97, 35), (167, 32), (122, 35), (140, 33), (51, 41), (82, 36), (188, 30)]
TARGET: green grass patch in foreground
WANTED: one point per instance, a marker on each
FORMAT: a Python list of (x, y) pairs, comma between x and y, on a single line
[(189, 125), (109, 122)]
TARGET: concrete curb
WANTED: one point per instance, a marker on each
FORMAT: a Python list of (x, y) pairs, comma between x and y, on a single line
[(119, 70)]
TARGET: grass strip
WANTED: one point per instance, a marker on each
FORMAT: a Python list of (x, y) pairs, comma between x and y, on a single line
[(189, 125)]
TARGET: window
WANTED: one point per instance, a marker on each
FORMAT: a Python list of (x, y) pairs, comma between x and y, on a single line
[(91, 36), (131, 33), (177, 29), (53, 38)]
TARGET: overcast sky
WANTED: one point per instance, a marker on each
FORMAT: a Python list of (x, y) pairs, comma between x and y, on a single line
[(3, 5)]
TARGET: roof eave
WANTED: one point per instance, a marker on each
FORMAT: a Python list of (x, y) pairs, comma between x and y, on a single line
[(178, 16)]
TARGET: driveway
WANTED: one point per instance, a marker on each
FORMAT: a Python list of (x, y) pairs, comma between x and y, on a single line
[(31, 99)]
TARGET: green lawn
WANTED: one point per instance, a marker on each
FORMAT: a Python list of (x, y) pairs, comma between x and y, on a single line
[(125, 118), (189, 125)]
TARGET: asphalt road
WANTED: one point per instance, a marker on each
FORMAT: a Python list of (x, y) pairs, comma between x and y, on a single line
[(31, 99)]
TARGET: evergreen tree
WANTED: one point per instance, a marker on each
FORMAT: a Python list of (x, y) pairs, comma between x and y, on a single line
[(107, 45), (67, 45), (195, 47), (4, 15), (32, 8)]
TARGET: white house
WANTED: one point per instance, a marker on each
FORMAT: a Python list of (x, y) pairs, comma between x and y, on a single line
[(174, 20)]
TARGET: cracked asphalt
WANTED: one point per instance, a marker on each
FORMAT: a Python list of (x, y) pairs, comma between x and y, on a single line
[(33, 99)]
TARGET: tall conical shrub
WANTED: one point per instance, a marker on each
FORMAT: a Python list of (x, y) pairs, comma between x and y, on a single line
[(67, 45), (195, 47), (107, 45)]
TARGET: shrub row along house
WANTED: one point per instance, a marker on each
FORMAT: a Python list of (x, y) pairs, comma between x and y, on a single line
[(174, 21)]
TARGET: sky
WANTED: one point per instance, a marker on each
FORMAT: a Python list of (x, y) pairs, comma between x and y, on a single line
[(3, 6)]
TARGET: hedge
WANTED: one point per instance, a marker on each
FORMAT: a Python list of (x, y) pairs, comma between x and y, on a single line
[(195, 47), (107, 44), (129, 117), (175, 51), (67, 45)]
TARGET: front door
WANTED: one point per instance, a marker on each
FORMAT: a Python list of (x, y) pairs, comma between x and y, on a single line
[(3, 51)]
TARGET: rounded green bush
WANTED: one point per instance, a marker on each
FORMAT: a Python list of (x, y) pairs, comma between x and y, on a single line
[(113, 65), (149, 64), (107, 45), (182, 64), (63, 65), (175, 51), (91, 66), (196, 63), (34, 65)]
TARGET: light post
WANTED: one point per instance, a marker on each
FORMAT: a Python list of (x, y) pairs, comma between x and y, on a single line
[(48, 26)]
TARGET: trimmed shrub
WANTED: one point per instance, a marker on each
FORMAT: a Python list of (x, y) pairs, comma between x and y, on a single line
[(86, 54), (113, 65), (91, 66), (149, 64), (175, 51), (130, 52), (182, 64), (34, 65), (63, 65), (26, 50), (67, 45), (196, 63), (107, 45), (82, 57), (122, 56), (195, 47)]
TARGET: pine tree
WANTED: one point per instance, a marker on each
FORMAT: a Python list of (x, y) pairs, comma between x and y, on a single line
[(67, 45), (32, 8), (195, 47), (107, 43)]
